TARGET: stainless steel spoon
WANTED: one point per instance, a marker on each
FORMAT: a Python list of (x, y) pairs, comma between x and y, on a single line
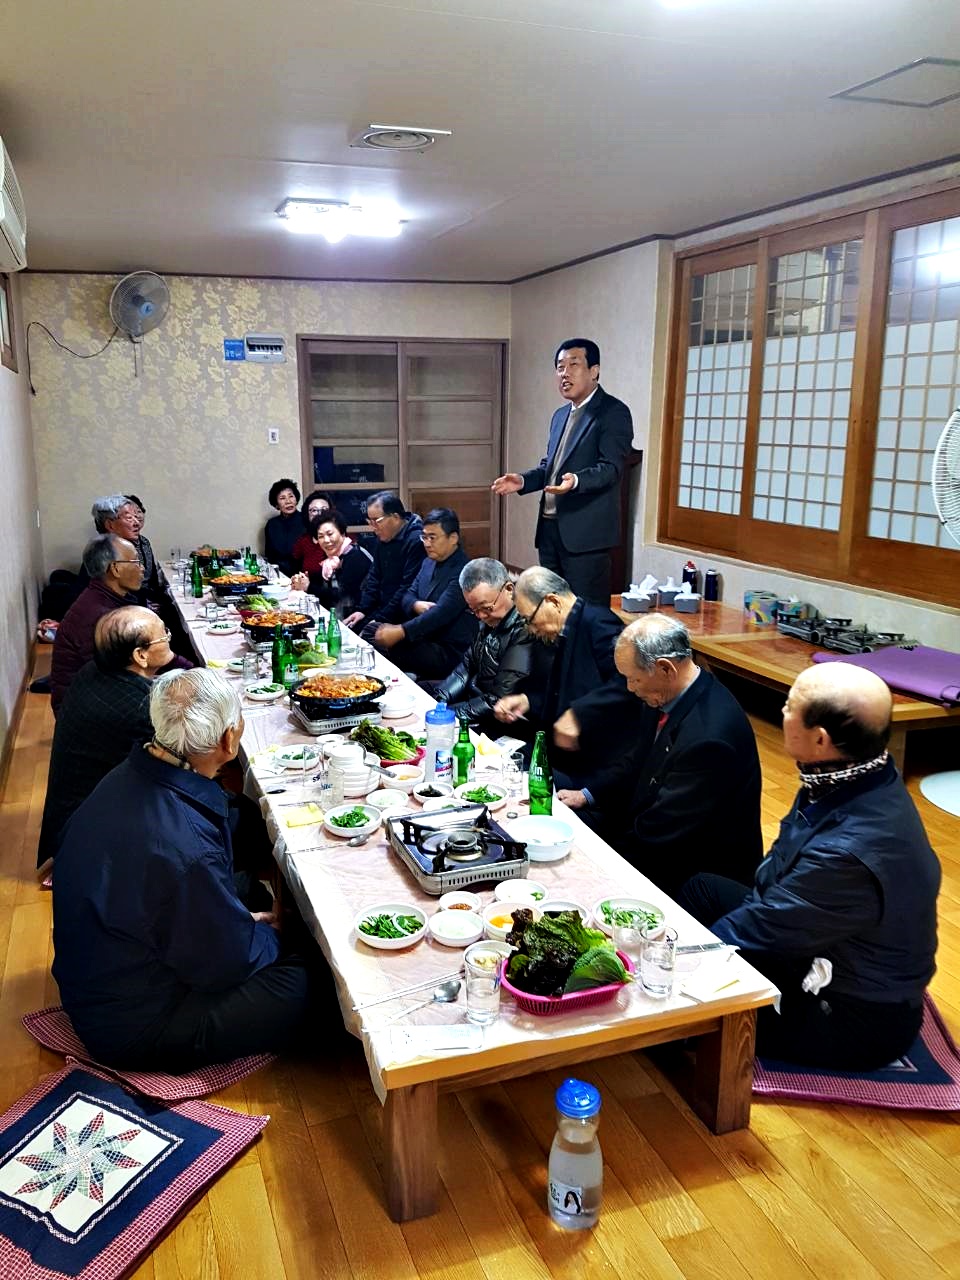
[(446, 993)]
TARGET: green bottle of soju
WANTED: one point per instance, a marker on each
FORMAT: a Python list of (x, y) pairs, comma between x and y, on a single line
[(278, 654), (333, 635), (213, 569), (196, 579), (291, 670), (464, 753), (540, 778)]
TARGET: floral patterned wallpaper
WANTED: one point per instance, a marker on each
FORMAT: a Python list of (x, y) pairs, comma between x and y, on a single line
[(189, 436)]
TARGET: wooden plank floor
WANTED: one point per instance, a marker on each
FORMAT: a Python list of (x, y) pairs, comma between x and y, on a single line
[(806, 1191)]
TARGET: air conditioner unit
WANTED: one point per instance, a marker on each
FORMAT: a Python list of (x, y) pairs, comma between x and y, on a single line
[(13, 217)]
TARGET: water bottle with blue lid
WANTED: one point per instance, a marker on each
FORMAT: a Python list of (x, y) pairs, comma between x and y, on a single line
[(575, 1171)]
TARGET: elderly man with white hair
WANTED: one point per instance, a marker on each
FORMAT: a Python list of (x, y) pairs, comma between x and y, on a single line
[(842, 915), (159, 963)]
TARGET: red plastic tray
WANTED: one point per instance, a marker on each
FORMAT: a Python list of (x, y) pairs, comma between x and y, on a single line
[(547, 1006)]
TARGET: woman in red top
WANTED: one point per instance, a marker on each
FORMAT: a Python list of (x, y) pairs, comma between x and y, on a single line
[(331, 566)]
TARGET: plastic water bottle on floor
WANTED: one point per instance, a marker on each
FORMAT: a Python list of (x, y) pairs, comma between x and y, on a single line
[(575, 1171)]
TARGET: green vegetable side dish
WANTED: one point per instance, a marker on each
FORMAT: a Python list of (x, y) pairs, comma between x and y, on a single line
[(355, 817), (386, 744), (482, 795), (558, 954), (384, 926), (630, 916), (266, 688)]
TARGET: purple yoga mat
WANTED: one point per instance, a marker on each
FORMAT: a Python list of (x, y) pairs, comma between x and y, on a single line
[(921, 672)]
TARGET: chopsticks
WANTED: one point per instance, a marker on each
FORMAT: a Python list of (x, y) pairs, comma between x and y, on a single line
[(407, 991)]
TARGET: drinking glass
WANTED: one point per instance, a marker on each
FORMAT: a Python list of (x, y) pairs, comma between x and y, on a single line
[(511, 771), (211, 611), (251, 669), (628, 938), (483, 992), (366, 658), (658, 960)]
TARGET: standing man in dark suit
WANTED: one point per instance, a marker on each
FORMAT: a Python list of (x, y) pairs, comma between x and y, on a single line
[(579, 477), (574, 693), (685, 796)]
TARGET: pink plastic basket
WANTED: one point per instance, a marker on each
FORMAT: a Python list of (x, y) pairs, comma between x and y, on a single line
[(547, 1006)]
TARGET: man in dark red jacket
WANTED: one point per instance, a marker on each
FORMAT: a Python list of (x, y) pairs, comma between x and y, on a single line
[(115, 573)]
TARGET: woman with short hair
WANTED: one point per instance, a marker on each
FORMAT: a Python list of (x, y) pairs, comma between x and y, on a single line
[(331, 566), (283, 530)]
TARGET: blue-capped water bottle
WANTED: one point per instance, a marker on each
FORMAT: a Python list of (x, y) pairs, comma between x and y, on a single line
[(575, 1171)]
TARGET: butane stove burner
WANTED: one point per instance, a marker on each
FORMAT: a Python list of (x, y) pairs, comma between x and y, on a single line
[(454, 848), (337, 720)]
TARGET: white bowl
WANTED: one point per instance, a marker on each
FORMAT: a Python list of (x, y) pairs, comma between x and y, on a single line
[(456, 928), (565, 904), (460, 898), (273, 592), (396, 703), (287, 757), (387, 801), (443, 802), (502, 911), (444, 788), (619, 902), (347, 833), (548, 839), (517, 890), (390, 909), (494, 788), (275, 691), (225, 628), (403, 777)]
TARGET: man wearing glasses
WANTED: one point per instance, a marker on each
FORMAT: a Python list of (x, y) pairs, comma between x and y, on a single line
[(498, 660), (432, 627), (578, 478), (105, 712), (115, 574), (685, 796), (574, 692), (397, 558)]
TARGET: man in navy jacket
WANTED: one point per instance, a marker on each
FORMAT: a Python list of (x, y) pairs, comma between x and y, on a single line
[(159, 963), (842, 913), (397, 557), (578, 478), (432, 627)]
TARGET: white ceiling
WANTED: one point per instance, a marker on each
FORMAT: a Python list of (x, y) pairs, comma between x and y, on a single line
[(165, 135)]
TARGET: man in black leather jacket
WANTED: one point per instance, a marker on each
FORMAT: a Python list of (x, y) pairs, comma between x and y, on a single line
[(498, 660)]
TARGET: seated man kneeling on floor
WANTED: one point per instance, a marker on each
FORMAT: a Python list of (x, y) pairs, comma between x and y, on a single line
[(842, 915), (159, 963)]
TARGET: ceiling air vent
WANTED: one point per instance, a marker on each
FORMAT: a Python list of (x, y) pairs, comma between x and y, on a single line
[(264, 348), (398, 137), (925, 83)]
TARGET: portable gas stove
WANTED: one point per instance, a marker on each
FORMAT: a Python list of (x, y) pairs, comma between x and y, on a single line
[(335, 721), (455, 848)]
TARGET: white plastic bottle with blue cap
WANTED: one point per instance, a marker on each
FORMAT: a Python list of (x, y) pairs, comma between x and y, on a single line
[(441, 727), (575, 1171)]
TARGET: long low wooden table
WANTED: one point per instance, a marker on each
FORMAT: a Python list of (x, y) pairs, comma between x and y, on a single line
[(726, 640), (331, 883)]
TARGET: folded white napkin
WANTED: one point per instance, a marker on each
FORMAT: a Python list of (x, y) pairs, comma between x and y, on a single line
[(407, 1043)]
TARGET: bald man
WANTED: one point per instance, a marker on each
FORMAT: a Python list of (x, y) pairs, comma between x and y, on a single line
[(103, 714), (851, 884)]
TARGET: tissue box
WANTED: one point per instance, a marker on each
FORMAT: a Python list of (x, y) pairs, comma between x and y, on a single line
[(631, 603), (761, 606), (687, 604), (667, 596)]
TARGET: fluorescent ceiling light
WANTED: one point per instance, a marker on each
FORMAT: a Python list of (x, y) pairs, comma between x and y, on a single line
[(335, 219)]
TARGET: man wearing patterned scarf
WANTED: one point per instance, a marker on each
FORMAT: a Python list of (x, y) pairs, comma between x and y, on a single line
[(842, 914)]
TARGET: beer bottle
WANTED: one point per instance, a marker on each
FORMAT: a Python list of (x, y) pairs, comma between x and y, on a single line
[(464, 754), (333, 635), (540, 777), (196, 580), (277, 654)]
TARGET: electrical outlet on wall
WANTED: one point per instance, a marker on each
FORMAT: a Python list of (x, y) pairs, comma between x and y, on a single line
[(273, 435)]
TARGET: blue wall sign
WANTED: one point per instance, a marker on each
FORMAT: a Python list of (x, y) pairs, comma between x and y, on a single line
[(233, 349)]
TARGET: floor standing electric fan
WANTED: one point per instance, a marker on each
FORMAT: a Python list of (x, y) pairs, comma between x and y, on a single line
[(943, 789)]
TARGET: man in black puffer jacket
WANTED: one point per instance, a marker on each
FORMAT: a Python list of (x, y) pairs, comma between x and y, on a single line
[(498, 660)]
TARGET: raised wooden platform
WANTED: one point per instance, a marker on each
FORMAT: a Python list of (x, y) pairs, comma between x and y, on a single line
[(725, 640)]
